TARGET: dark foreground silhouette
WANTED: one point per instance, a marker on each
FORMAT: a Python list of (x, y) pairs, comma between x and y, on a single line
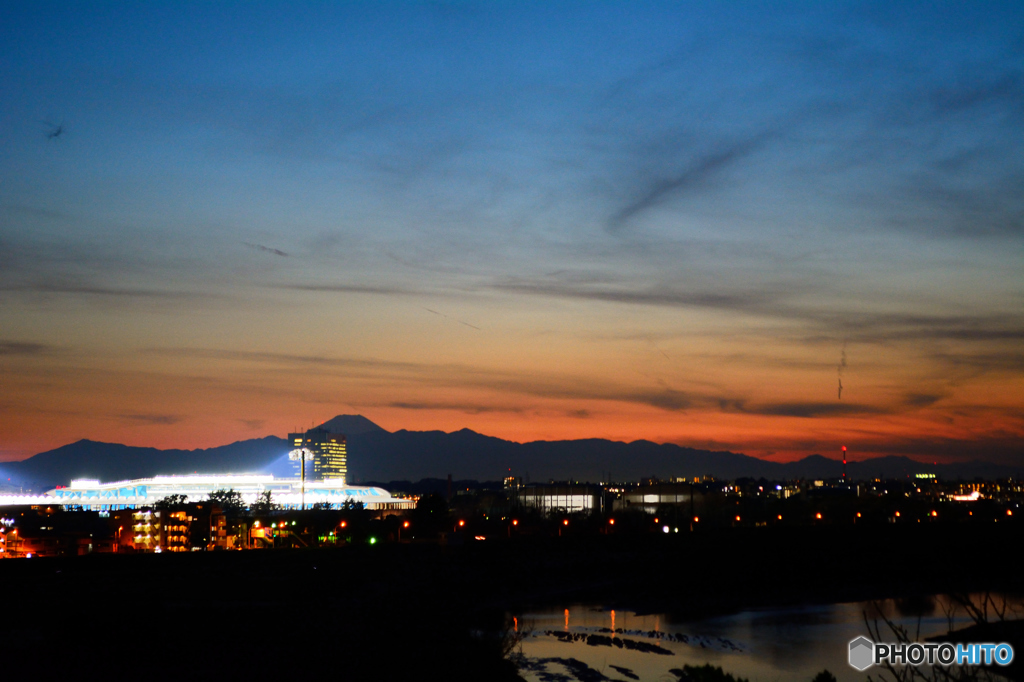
[(423, 611)]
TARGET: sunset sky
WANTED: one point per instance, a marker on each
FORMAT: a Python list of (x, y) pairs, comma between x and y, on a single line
[(681, 222)]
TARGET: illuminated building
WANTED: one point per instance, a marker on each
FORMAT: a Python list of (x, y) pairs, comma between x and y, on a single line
[(562, 498), (152, 530), (649, 498), (90, 494), (330, 461)]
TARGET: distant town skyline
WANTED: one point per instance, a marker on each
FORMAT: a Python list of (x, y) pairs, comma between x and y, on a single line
[(774, 229)]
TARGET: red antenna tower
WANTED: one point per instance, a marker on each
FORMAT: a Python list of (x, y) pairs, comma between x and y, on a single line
[(844, 464)]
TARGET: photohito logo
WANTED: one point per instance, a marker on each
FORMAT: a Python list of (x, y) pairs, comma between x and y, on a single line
[(864, 653)]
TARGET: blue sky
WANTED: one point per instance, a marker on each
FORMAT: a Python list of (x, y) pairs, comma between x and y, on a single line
[(660, 220)]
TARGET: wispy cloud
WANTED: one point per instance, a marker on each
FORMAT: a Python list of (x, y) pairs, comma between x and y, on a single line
[(351, 289), (282, 358), (760, 302), (85, 289), (922, 399), (453, 319), (266, 249), (466, 408), (988, 360), (23, 348), (858, 326), (806, 410), (696, 174)]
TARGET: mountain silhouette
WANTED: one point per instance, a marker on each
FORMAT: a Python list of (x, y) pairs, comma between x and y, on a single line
[(351, 425), (375, 454)]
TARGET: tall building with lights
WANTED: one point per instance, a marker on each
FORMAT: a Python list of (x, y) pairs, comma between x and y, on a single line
[(330, 460)]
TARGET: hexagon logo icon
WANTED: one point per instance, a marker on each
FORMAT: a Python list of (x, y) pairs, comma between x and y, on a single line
[(862, 653)]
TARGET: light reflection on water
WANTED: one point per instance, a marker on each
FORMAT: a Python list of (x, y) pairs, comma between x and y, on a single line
[(792, 644)]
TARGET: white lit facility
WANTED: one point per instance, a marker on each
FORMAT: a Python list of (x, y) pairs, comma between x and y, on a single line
[(92, 495), (564, 498)]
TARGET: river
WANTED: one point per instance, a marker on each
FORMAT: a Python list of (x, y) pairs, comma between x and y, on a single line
[(791, 644)]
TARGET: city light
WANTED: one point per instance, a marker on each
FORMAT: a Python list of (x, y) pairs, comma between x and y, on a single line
[(136, 493)]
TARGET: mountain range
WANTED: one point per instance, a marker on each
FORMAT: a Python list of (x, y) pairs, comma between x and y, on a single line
[(375, 454)]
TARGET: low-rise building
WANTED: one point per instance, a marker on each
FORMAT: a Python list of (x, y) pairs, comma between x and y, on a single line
[(566, 498)]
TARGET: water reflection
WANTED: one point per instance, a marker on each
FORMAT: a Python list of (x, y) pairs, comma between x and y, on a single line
[(764, 645)]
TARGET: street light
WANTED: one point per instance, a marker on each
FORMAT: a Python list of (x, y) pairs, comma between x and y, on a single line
[(302, 455)]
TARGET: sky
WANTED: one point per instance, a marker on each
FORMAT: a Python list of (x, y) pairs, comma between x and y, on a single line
[(685, 222)]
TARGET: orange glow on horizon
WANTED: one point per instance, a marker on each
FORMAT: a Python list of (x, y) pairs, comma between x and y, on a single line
[(125, 395)]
